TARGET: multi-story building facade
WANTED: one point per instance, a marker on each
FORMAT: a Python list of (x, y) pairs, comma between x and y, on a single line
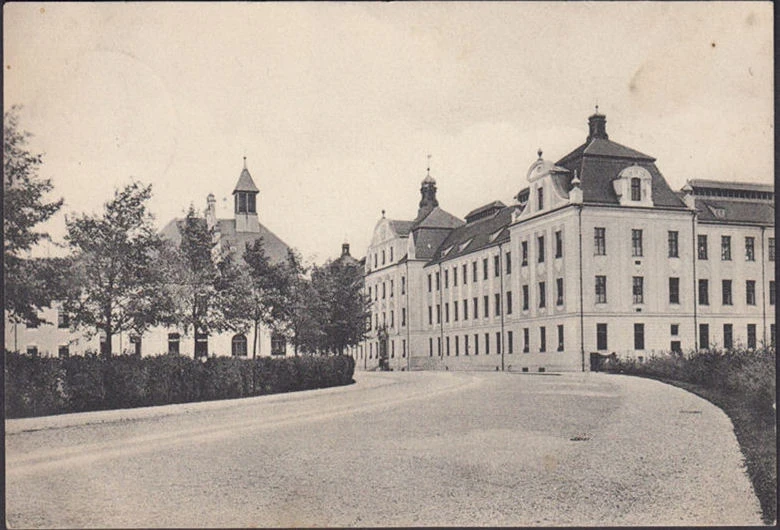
[(597, 254), (230, 236)]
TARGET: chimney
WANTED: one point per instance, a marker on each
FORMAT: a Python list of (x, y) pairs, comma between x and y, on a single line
[(598, 127), (345, 249), (211, 210), (688, 198)]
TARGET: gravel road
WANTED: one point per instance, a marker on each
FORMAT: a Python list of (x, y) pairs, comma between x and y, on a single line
[(395, 449)]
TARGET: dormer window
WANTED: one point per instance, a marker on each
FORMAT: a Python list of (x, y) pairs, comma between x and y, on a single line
[(540, 197), (636, 189)]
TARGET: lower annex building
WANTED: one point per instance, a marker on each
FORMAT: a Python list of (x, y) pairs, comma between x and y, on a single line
[(230, 236), (595, 254)]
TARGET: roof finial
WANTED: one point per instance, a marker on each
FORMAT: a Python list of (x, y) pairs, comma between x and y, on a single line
[(539, 152), (429, 166), (597, 108), (383, 213), (244, 162)]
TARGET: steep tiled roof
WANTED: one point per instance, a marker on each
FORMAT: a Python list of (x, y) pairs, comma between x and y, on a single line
[(597, 169), (245, 182), (437, 218), (735, 211), (487, 209), (427, 240), (402, 228), (479, 234), (697, 184)]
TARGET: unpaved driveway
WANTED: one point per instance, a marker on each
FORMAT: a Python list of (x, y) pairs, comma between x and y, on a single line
[(396, 449)]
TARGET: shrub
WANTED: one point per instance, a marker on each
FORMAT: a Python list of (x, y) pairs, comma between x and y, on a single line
[(34, 386), (84, 377), (125, 380), (173, 379), (221, 378)]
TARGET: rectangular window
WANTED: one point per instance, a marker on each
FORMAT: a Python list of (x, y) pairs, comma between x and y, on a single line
[(465, 344), (526, 341), (465, 309), (383, 257), (446, 278), (496, 265), (728, 336), (438, 346), (636, 189), (384, 290), (455, 276), (508, 262), (750, 249), (542, 294), (676, 346), (465, 273), (474, 271), (725, 248), (674, 251), (403, 344), (448, 346), (438, 313), (63, 319), (497, 297), (403, 316), (701, 246), (637, 249), (674, 290), (542, 339), (704, 292), (771, 249), (455, 310), (509, 302), (560, 337), (430, 347), (772, 292), (487, 343), (391, 254), (600, 241), (438, 281), (446, 311), (498, 342), (457, 345), (558, 244), (476, 344), (392, 288), (525, 298), (750, 292), (524, 248), (173, 343), (32, 351), (475, 307), (751, 333), (430, 283), (540, 248), (392, 318), (639, 336), (675, 330), (727, 300), (403, 284), (559, 291), (601, 289), (601, 337), (485, 306), (510, 347), (638, 289), (540, 197), (704, 336), (430, 315), (63, 351), (772, 335), (484, 268)]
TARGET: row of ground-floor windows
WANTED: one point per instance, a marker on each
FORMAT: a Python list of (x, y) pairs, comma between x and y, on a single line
[(728, 336), (471, 343), (375, 350)]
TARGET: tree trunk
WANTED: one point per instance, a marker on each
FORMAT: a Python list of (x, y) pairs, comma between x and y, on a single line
[(254, 343), (107, 331)]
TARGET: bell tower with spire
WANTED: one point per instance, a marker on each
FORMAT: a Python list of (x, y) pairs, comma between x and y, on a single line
[(245, 203), (428, 192)]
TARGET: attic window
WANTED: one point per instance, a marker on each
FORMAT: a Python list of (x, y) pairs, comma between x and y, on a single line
[(446, 251), (495, 234), (720, 213), (464, 245)]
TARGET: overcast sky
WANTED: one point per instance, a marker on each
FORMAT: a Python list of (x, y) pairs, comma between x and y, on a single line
[(337, 105)]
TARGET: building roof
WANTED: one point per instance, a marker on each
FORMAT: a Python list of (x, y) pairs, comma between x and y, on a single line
[(735, 211), (479, 234), (402, 228), (483, 211), (437, 218), (598, 165), (697, 184), (275, 248), (245, 182)]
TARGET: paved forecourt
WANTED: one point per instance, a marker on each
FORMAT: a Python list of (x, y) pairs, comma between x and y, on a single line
[(395, 449)]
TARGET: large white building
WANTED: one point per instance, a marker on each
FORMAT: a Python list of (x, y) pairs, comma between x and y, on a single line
[(231, 235), (597, 254)]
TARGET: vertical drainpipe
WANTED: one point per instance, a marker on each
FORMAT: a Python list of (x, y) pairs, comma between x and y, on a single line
[(408, 321), (441, 312), (695, 285), (763, 285), (582, 316), (501, 342)]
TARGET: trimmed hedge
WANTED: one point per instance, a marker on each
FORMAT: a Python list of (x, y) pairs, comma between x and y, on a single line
[(39, 386)]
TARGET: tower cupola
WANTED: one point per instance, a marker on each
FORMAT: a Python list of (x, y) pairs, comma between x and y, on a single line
[(598, 126), (428, 194), (245, 202)]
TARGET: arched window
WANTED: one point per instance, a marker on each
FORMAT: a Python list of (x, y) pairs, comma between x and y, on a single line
[(238, 345), (278, 344)]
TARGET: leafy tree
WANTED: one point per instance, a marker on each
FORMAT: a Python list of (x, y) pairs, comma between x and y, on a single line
[(115, 279), (267, 289), (30, 284)]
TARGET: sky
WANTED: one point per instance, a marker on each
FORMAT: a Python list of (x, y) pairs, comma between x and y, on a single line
[(338, 105)]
